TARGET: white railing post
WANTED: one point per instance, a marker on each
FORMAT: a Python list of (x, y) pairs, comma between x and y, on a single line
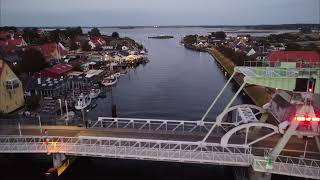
[(19, 128)]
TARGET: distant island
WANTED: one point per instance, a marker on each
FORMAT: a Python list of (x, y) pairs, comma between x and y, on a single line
[(127, 27), (161, 37)]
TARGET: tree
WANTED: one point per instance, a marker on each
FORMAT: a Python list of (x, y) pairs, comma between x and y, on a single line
[(190, 39), (77, 67), (293, 47), (73, 32), (32, 61), (86, 46), (55, 35), (311, 47), (213, 34), (115, 35), (306, 30), (95, 32), (74, 46), (220, 35)]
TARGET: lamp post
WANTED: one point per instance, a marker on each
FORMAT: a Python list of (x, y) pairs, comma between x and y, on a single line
[(67, 119), (60, 103)]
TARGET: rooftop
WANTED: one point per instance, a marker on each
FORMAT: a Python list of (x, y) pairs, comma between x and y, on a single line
[(310, 56)]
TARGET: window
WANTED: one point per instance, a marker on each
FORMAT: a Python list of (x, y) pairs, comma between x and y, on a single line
[(12, 84)]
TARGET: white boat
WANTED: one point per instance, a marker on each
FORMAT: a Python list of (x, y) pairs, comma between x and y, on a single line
[(94, 93), (109, 82), (82, 102), (111, 77), (117, 75)]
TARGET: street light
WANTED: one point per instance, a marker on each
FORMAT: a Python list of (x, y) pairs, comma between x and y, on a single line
[(67, 119), (60, 103)]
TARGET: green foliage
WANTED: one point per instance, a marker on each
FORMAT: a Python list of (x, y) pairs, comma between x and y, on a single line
[(86, 46), (8, 28), (32, 102), (220, 35), (77, 67), (311, 47), (55, 35), (95, 32), (190, 39), (73, 32), (31, 36), (74, 46), (140, 47), (280, 38), (305, 30), (293, 47), (32, 61), (115, 35), (238, 58)]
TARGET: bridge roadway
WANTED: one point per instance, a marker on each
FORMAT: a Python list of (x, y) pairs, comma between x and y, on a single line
[(296, 146)]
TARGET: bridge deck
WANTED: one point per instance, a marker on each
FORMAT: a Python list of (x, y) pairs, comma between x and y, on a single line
[(293, 148)]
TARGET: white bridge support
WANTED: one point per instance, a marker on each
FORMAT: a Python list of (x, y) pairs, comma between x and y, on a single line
[(58, 160), (217, 97), (284, 140), (225, 139), (218, 121), (255, 175)]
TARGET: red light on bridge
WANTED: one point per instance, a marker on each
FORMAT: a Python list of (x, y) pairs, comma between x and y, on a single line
[(310, 90), (307, 119)]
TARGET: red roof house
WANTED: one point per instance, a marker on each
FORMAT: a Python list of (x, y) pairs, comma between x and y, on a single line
[(97, 42), (11, 45), (5, 36), (56, 71), (50, 51), (294, 56)]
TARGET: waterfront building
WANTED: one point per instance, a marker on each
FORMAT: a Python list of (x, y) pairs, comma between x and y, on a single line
[(11, 90), (304, 57), (53, 87), (56, 71), (97, 42), (51, 51)]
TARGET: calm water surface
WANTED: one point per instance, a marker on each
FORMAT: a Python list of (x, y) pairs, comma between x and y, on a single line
[(176, 84)]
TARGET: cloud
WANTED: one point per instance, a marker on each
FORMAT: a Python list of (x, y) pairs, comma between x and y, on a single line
[(156, 12)]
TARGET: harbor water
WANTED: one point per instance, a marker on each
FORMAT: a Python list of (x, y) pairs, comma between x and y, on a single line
[(176, 84)]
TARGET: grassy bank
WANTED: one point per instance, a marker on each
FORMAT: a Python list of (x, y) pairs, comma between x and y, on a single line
[(258, 94)]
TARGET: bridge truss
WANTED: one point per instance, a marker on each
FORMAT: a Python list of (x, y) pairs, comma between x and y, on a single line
[(161, 150)]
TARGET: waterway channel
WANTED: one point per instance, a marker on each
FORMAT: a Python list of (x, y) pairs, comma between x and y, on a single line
[(176, 84)]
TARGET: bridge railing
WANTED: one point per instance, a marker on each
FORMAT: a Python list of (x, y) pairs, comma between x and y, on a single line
[(278, 72), (158, 125), (160, 150), (291, 166), (299, 64)]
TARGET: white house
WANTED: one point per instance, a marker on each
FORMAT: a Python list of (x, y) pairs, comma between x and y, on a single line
[(125, 48)]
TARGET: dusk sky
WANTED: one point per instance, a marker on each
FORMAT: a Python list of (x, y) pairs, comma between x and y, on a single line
[(157, 12)]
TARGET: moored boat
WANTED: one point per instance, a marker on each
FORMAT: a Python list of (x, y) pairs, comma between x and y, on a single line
[(117, 75), (94, 93), (109, 82), (82, 102)]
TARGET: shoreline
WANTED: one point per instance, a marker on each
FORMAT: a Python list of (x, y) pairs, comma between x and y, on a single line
[(257, 94)]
